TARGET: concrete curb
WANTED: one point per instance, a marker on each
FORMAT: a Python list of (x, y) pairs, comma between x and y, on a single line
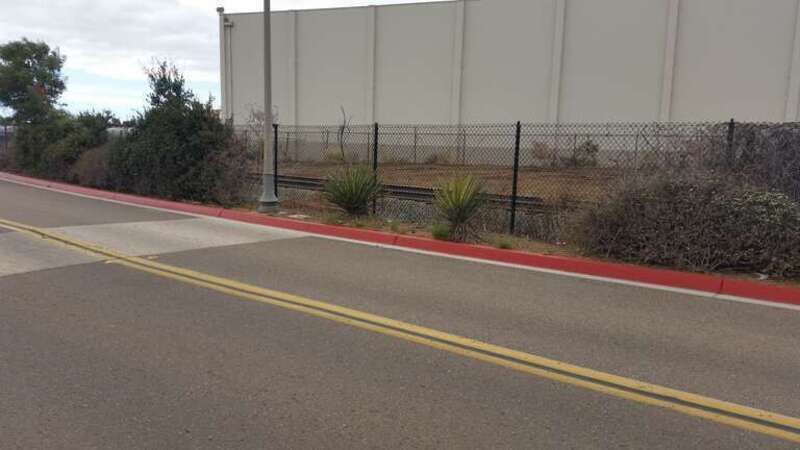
[(708, 284)]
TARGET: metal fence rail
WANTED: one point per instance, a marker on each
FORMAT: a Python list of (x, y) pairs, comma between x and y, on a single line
[(526, 169)]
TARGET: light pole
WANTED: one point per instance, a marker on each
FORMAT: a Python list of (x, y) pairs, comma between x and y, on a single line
[(268, 201)]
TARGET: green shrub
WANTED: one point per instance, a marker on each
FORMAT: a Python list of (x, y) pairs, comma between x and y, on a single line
[(31, 140), (178, 148), (458, 201), (51, 147), (505, 244), (698, 224), (440, 231), (352, 189), (332, 219)]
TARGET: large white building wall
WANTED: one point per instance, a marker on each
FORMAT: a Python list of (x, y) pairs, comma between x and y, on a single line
[(613, 60), (470, 61), (413, 63), (505, 48), (246, 71), (331, 65), (733, 59)]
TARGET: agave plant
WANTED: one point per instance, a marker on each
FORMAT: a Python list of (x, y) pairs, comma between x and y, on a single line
[(458, 200), (352, 189)]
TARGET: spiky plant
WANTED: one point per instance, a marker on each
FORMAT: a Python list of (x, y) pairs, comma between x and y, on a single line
[(458, 200), (352, 189)]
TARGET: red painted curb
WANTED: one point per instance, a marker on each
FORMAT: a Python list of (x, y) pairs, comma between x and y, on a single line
[(760, 291), (662, 277)]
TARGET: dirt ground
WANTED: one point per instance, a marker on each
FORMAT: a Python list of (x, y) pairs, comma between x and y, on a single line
[(316, 212), (587, 184)]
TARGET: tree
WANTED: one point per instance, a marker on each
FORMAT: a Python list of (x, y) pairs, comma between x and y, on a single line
[(30, 79), (177, 147), (167, 85)]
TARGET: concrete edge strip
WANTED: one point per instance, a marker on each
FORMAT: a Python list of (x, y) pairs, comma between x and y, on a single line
[(705, 285)]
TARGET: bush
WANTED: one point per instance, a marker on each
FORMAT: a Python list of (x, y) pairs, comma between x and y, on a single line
[(765, 155), (31, 140), (85, 131), (440, 231), (352, 189), (505, 244), (585, 155), (91, 169), (178, 148), (697, 224), (457, 201), (49, 148)]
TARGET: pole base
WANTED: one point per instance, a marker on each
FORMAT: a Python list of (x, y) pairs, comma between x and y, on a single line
[(268, 207), (268, 202)]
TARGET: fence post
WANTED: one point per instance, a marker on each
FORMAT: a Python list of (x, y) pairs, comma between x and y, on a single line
[(731, 141), (275, 155), (374, 161), (515, 179)]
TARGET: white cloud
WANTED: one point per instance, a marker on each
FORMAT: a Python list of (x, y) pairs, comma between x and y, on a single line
[(115, 39)]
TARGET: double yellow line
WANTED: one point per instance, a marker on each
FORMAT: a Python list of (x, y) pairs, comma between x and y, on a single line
[(739, 416)]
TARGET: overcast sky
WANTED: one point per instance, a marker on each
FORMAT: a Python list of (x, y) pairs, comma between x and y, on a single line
[(108, 42)]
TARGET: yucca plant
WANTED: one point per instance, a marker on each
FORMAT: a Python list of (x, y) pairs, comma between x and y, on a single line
[(352, 189), (458, 200)]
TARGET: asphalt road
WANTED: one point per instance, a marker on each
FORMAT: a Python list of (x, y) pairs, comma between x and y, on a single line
[(98, 354)]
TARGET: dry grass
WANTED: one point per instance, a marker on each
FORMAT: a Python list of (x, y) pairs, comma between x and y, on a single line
[(587, 184)]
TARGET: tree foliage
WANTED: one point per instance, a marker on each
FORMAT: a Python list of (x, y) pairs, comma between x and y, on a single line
[(176, 145), (50, 146), (30, 79)]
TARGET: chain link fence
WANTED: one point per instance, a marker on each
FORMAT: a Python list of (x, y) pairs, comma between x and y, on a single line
[(531, 172)]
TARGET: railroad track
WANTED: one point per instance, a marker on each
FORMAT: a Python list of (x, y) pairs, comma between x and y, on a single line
[(419, 194)]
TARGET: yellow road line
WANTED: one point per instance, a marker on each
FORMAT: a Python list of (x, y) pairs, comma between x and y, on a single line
[(739, 416)]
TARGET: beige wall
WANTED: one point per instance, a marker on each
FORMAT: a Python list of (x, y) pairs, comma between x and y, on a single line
[(479, 61), (613, 61), (734, 58), (413, 63), (499, 60)]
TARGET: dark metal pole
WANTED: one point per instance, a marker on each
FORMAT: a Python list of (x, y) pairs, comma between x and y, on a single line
[(515, 178), (275, 156), (375, 161), (268, 201), (731, 139)]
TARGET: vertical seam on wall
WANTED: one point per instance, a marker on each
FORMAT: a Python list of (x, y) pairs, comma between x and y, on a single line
[(229, 53), (458, 62), (557, 60), (293, 68), (670, 52), (793, 92), (222, 69)]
